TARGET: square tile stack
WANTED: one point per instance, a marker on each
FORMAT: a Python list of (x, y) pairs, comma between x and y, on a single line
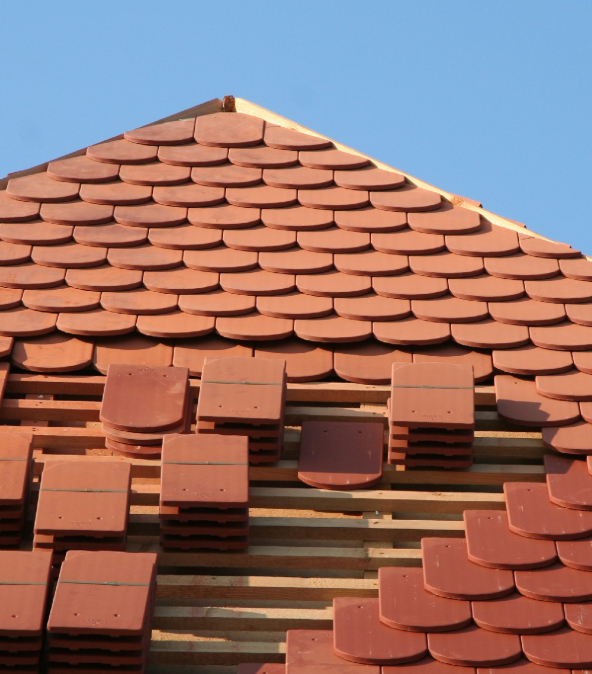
[(102, 613), (24, 582), (16, 469), (432, 415), (245, 396), (204, 494), (83, 505), (141, 404)]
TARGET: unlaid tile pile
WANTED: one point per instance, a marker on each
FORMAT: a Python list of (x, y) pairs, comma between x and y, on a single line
[(24, 584), (16, 470), (432, 415), (245, 396), (83, 505), (101, 616), (141, 405), (204, 492)]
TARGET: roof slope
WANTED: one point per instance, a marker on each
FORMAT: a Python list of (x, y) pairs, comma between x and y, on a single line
[(224, 228)]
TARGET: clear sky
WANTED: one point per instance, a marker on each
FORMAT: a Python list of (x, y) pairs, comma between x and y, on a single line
[(490, 99)]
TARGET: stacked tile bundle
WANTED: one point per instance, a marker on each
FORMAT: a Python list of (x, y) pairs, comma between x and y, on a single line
[(102, 611), (245, 396), (204, 492), (141, 405), (24, 584), (431, 415), (16, 471), (83, 505)]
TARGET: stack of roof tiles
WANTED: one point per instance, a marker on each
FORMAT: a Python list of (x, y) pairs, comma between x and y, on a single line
[(83, 505), (432, 415), (204, 492), (102, 612), (243, 396), (24, 585), (16, 471), (142, 405)]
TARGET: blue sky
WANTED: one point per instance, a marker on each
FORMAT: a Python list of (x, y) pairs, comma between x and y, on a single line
[(490, 100)]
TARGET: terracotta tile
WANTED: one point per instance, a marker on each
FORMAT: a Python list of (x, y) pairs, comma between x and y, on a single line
[(359, 636), (489, 241), (155, 174), (486, 288), (333, 284), (575, 554), (449, 573), (560, 290), (82, 169), (137, 302), (187, 195), (61, 299), (332, 329), (447, 220), (556, 583), (449, 310), (262, 157), (257, 282), (452, 353), (41, 187), (295, 305), (95, 323), (407, 198), (122, 152), (168, 133), (220, 259), (185, 237), (150, 215), (296, 261), (541, 248), (192, 353), (519, 402), (192, 155), (410, 286), (115, 193), (229, 130), (532, 360), (297, 177), (76, 213), (532, 514), (491, 543), (578, 617), (296, 218), (369, 178), (21, 322), (30, 276), (224, 217), (371, 263), (525, 311), (572, 385), (37, 232), (408, 242), (9, 298), (304, 362), (579, 313), (583, 361), (110, 236), (226, 175), (105, 278), (447, 265), (261, 196), (131, 350), (175, 324), (564, 337), (569, 483), (411, 331), (476, 647), (428, 666), (490, 334), (14, 210), (260, 668), (371, 220), (332, 159), (521, 267), (14, 253), (334, 240), (256, 327), (259, 238), (181, 281), (571, 439), (372, 308), (333, 198), (406, 605), (144, 257), (577, 269), (69, 255), (289, 139), (313, 648), (217, 303), (517, 614)]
